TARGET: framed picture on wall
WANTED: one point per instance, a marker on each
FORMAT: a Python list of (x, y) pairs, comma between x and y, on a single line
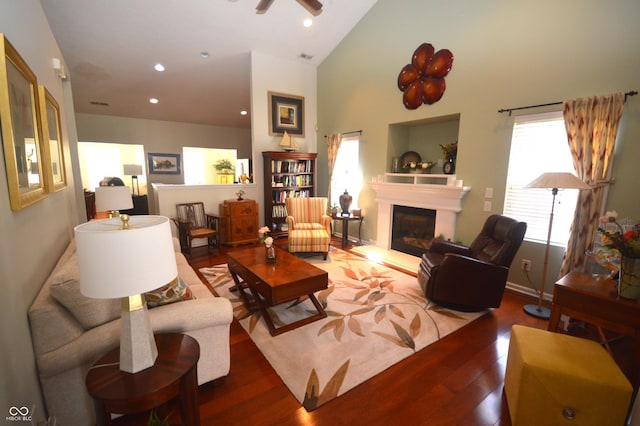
[(166, 164), (286, 114)]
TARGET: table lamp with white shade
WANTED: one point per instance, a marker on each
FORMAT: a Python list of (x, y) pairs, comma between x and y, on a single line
[(124, 258), (112, 199), (553, 181), (133, 170)]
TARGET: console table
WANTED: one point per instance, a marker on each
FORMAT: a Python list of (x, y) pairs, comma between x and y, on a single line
[(594, 299)]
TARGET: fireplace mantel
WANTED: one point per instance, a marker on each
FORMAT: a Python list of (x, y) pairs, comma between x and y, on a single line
[(414, 191)]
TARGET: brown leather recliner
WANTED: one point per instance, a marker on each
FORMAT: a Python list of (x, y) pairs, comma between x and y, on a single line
[(472, 278)]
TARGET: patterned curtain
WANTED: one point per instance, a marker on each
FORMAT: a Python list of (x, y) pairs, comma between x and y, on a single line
[(592, 127), (333, 142)]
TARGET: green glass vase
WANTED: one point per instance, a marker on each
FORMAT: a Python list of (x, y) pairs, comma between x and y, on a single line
[(629, 283)]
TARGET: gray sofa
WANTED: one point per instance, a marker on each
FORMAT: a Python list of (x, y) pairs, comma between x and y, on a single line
[(70, 332)]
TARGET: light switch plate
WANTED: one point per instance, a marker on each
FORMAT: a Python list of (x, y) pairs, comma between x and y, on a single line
[(488, 193)]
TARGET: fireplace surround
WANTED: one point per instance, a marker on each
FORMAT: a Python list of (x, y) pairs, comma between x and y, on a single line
[(441, 193)]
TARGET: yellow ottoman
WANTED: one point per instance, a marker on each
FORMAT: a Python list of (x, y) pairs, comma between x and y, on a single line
[(555, 379)]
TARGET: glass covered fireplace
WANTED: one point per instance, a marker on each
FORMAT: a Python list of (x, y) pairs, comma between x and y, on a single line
[(412, 229)]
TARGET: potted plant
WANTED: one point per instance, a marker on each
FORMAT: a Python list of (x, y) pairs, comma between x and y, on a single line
[(224, 166)]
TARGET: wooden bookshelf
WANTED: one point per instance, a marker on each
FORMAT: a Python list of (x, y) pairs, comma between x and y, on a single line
[(286, 174)]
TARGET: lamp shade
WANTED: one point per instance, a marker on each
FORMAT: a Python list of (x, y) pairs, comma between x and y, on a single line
[(110, 198), (117, 262), (557, 180), (132, 169)]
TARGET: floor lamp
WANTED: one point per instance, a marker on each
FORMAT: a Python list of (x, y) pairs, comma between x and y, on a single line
[(553, 181)]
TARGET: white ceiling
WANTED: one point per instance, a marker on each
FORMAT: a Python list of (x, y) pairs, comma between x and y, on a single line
[(110, 48)]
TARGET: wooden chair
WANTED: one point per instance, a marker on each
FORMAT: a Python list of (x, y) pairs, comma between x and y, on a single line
[(192, 222)]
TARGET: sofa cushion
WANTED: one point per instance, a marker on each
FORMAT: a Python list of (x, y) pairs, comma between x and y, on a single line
[(176, 291), (89, 312)]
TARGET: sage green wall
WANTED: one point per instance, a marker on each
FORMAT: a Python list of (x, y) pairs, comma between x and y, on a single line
[(34, 237), (507, 54)]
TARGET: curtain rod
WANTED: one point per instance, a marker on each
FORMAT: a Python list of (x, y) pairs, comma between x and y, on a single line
[(346, 133), (509, 110)]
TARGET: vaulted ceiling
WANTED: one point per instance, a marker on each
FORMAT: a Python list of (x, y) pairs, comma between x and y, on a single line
[(111, 47)]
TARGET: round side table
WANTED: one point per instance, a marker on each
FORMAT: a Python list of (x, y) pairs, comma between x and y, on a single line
[(174, 374)]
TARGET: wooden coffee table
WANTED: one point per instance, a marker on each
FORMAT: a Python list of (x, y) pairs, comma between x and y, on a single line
[(272, 283)]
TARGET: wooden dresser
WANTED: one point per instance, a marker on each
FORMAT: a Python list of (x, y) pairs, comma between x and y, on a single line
[(239, 222)]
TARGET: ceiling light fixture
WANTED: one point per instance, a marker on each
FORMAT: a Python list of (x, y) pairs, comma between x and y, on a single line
[(243, 112), (204, 55), (307, 22), (159, 67), (153, 100)]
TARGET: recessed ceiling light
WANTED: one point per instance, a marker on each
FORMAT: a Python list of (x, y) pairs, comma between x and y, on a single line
[(153, 100), (204, 55), (159, 67), (307, 22), (243, 112)]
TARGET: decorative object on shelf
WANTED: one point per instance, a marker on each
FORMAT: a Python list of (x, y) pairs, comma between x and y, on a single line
[(240, 194), (345, 202), (266, 238), (286, 113), (408, 159), (395, 165), (422, 81), (449, 153), (288, 143), (166, 164), (627, 243), (553, 181), (124, 259), (224, 166)]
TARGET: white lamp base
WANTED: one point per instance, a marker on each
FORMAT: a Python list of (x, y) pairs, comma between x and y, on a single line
[(538, 312), (138, 349)]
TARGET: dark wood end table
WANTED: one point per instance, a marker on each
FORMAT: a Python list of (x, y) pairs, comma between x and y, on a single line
[(272, 283), (345, 227), (174, 374), (594, 299)]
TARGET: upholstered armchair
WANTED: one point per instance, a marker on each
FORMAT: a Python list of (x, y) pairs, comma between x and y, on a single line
[(192, 222), (309, 225), (472, 278)]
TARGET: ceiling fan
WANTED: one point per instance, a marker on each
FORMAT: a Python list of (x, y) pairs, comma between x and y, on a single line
[(313, 6)]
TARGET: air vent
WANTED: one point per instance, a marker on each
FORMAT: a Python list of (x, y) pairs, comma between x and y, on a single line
[(305, 56), (99, 103)]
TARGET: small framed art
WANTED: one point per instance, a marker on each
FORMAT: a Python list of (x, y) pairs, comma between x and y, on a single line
[(286, 114), (167, 164)]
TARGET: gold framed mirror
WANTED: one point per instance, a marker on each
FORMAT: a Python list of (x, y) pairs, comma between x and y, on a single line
[(55, 176), (20, 131)]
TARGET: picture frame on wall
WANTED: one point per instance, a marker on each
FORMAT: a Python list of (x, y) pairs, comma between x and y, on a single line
[(164, 164), (286, 114), (20, 125), (56, 177)]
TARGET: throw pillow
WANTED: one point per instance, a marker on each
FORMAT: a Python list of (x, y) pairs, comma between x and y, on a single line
[(89, 312), (176, 291)]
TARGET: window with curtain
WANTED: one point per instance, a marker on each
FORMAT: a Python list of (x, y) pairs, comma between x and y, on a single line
[(539, 145), (346, 172)]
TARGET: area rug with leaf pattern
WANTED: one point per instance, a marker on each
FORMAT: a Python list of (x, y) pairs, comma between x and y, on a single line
[(376, 317)]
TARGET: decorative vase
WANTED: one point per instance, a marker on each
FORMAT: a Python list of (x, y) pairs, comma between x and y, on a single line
[(271, 253), (345, 202), (629, 281), (449, 166)]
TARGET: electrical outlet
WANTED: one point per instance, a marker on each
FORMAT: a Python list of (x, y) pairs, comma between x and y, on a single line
[(487, 206), (526, 265)]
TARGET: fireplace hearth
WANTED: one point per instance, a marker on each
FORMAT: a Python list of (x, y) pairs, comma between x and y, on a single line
[(412, 229)]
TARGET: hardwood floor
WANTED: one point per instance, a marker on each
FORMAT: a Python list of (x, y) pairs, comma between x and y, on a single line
[(455, 381)]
